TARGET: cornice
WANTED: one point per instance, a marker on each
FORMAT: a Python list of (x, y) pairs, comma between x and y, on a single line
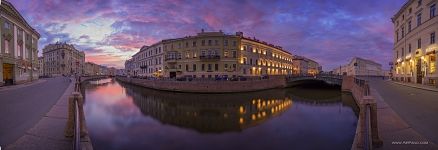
[(15, 14)]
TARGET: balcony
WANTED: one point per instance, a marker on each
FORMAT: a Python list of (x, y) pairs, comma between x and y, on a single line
[(209, 57), (170, 60)]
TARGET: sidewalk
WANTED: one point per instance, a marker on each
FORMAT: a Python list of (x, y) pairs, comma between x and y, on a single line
[(418, 86), (393, 129), (48, 133), (13, 87)]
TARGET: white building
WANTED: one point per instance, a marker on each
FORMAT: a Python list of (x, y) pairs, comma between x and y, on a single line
[(148, 62), (360, 67)]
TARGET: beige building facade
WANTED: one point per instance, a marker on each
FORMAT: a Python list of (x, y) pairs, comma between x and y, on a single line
[(210, 55), (304, 66), (18, 47), (415, 45), (63, 59), (149, 61), (360, 67)]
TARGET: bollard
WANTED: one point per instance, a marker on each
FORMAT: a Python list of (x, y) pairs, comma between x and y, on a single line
[(69, 128)]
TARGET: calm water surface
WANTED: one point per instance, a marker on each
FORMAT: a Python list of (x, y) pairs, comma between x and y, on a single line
[(314, 116)]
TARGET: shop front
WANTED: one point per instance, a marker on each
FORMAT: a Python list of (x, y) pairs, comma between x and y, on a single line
[(8, 74)]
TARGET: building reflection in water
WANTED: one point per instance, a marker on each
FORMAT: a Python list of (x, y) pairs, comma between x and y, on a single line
[(124, 116), (210, 112)]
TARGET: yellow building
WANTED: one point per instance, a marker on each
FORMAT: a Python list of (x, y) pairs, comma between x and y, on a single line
[(214, 54), (18, 47), (415, 46)]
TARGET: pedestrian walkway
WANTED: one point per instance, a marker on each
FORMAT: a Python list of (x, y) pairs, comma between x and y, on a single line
[(48, 133), (395, 132), (418, 86)]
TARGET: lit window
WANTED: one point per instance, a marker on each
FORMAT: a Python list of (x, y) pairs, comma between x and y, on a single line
[(432, 10)]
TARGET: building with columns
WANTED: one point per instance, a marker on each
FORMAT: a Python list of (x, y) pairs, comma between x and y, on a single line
[(209, 55), (63, 59), (415, 46), (18, 47)]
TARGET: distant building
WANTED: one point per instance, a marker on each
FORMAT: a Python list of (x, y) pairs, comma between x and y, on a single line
[(121, 72), (129, 67), (18, 47), (63, 59), (41, 65), (91, 69), (415, 42), (360, 67), (305, 66)]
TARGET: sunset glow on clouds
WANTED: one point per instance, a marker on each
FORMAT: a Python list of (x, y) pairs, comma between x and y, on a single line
[(110, 31)]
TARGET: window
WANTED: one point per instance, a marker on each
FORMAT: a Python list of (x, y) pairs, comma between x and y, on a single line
[(432, 38), (209, 42), (187, 44), (403, 32), (419, 43), (234, 43), (216, 67), (203, 42), (7, 25), (226, 66), (187, 67), (203, 67), (409, 26), (209, 67), (409, 48), (234, 54), (225, 54), (234, 66), (194, 67), (396, 34), (419, 19), (419, 2), (6, 46), (216, 42), (194, 43), (403, 51), (225, 42), (432, 10)]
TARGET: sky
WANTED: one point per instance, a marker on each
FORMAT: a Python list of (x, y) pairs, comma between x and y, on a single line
[(111, 31)]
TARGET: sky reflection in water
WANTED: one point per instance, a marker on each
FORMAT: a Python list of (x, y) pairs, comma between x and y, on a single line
[(121, 116)]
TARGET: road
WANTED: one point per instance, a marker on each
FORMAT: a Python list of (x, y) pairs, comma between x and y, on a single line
[(419, 108), (22, 108)]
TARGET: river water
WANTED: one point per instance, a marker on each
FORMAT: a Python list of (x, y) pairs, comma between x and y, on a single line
[(128, 117)]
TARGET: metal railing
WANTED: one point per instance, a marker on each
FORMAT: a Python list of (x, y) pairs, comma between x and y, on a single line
[(77, 123)]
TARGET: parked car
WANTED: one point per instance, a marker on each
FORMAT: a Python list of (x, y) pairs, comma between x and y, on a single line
[(222, 78), (242, 78), (264, 76)]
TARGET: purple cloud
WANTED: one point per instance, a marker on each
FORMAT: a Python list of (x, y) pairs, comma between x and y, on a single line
[(330, 32)]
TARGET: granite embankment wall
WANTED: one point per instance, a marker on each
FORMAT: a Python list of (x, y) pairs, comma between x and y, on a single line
[(209, 86)]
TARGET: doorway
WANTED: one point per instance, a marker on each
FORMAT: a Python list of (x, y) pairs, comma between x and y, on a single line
[(172, 74), (419, 72), (8, 70)]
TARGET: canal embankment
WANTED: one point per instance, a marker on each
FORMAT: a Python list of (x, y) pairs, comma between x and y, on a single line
[(209, 86), (49, 132)]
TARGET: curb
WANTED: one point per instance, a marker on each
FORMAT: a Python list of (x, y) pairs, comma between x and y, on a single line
[(413, 86)]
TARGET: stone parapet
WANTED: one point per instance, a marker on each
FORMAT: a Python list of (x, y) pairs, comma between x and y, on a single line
[(209, 86)]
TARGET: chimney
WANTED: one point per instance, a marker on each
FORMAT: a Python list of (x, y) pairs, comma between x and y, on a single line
[(202, 30)]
